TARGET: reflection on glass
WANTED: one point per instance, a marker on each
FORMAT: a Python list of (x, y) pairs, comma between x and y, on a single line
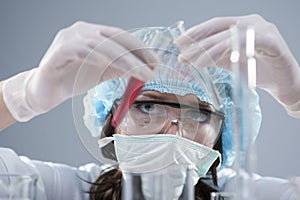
[(17, 187), (221, 196), (159, 184)]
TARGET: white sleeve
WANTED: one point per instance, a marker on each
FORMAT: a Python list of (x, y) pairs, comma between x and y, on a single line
[(56, 181), (276, 188), (270, 188), (10, 163), (63, 182)]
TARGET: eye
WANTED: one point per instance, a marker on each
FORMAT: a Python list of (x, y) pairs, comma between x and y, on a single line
[(200, 116), (146, 108)]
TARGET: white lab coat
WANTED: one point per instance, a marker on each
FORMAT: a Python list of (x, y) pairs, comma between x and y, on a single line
[(62, 182), (56, 181), (264, 188)]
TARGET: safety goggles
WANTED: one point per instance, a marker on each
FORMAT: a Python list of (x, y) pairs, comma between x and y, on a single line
[(200, 124)]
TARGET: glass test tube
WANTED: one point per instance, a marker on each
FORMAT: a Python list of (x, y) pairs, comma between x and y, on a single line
[(244, 82), (18, 186), (158, 186)]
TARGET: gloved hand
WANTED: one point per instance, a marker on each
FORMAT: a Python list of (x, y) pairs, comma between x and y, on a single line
[(85, 54), (208, 44)]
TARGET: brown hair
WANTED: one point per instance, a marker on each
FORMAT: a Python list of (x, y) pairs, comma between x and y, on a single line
[(108, 184)]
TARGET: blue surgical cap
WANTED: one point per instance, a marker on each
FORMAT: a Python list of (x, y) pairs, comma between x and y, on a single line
[(99, 100)]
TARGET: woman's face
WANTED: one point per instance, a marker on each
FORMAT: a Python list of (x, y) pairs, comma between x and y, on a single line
[(161, 113)]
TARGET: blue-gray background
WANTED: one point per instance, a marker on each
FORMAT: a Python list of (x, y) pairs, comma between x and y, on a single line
[(28, 27)]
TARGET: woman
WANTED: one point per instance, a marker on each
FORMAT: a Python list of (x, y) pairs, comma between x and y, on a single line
[(59, 76), (177, 102)]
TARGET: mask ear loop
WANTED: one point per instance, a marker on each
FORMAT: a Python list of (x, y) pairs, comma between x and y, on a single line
[(105, 141), (107, 148)]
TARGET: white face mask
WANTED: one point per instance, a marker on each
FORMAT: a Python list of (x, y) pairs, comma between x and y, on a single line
[(172, 154)]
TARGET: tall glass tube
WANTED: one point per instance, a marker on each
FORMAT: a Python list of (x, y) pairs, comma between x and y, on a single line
[(244, 82), (156, 185)]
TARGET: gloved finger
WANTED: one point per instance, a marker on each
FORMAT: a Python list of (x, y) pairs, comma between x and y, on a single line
[(269, 43), (218, 55), (118, 67), (91, 74), (109, 54), (69, 46), (127, 48), (204, 30), (211, 27), (136, 47), (129, 42), (95, 48), (86, 29), (123, 38), (206, 43), (211, 51)]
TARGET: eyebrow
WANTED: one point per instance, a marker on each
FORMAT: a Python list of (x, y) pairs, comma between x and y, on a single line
[(161, 97), (171, 104), (152, 96)]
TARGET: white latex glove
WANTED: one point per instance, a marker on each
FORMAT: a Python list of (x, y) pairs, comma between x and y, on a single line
[(208, 44), (95, 52)]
